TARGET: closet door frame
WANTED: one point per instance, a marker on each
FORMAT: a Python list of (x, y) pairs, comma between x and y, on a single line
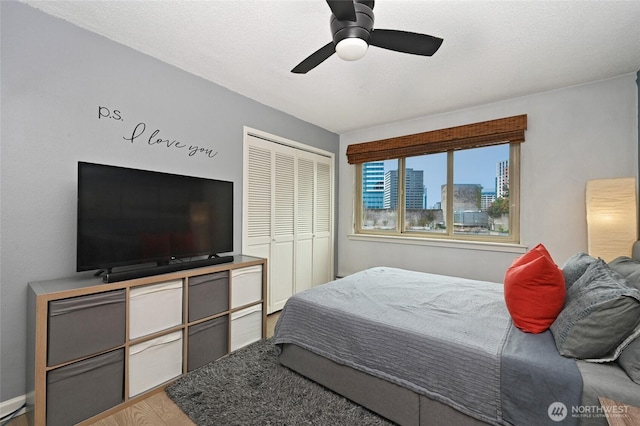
[(302, 150)]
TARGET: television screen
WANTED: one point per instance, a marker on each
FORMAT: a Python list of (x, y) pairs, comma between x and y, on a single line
[(128, 216)]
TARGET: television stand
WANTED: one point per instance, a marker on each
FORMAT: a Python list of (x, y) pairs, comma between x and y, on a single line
[(100, 348), (112, 277)]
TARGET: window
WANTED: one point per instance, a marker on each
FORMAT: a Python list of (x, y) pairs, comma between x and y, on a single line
[(466, 191), (425, 179)]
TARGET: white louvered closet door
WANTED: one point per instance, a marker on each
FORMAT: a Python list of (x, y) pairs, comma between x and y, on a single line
[(305, 222), (283, 250), (256, 240), (288, 216), (322, 229)]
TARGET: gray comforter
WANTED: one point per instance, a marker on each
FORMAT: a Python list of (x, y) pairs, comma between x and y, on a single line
[(450, 339)]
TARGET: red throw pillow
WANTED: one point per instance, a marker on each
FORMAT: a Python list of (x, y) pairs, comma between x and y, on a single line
[(534, 290)]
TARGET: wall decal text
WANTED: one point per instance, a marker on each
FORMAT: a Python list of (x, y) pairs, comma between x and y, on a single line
[(155, 137)]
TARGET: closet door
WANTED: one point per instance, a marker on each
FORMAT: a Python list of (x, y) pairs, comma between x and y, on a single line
[(305, 197), (322, 223), (288, 216), (257, 216), (314, 243), (283, 248), (268, 220)]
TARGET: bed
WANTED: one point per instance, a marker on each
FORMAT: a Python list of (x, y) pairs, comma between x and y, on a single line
[(426, 349)]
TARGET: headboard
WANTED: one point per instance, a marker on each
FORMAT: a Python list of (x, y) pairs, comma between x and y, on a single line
[(635, 251)]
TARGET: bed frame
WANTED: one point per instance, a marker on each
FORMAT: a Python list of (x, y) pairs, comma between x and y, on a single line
[(391, 401)]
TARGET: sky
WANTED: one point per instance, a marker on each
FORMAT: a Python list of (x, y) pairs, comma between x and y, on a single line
[(469, 166)]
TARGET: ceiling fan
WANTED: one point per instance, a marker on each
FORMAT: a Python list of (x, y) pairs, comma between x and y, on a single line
[(352, 29)]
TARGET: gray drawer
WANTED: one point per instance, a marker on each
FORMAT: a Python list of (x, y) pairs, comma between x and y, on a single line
[(208, 295), (85, 325), (207, 342), (83, 389)]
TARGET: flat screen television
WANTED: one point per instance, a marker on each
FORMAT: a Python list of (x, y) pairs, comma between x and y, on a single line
[(134, 217)]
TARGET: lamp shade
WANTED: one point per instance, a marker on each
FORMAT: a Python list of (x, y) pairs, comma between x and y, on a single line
[(612, 217)]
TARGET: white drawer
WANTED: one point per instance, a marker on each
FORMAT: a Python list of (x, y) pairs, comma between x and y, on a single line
[(246, 286), (154, 362), (246, 327), (154, 308)]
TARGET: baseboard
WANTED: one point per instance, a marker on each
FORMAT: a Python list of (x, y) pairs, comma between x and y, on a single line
[(11, 405)]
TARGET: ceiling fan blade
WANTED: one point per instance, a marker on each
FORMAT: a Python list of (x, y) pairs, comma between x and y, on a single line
[(370, 3), (343, 10), (405, 42), (315, 59)]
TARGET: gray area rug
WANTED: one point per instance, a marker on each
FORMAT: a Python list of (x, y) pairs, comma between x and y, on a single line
[(250, 387)]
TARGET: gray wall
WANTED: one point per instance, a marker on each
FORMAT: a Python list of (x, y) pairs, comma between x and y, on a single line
[(574, 134), (54, 78)]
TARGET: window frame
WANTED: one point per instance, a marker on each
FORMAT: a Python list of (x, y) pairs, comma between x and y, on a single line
[(514, 201)]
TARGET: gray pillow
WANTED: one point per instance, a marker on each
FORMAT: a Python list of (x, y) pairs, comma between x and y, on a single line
[(575, 266), (629, 360), (628, 268), (600, 312)]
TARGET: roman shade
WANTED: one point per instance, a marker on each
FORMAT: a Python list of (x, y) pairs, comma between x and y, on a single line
[(487, 133)]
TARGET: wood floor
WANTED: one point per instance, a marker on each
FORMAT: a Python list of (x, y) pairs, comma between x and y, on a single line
[(156, 410)]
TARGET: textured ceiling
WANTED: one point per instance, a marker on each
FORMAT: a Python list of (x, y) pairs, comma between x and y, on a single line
[(492, 50)]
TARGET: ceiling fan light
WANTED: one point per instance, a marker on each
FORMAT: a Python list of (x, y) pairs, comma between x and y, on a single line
[(351, 48)]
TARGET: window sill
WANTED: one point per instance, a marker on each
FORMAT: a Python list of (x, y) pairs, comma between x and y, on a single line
[(437, 242)]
